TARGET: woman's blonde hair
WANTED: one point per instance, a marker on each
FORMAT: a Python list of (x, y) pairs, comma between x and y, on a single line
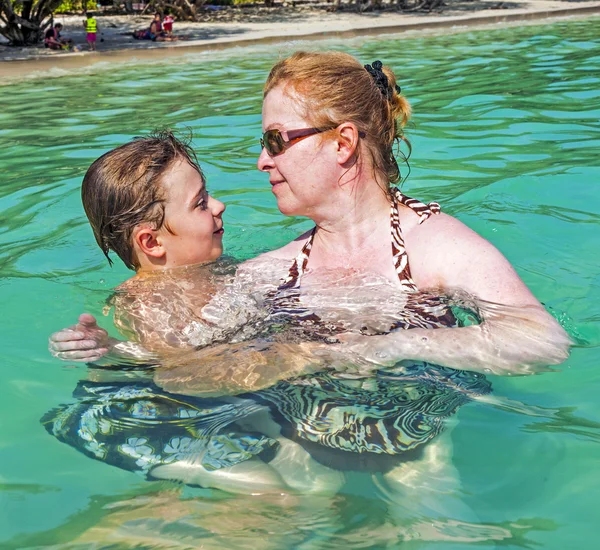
[(335, 88)]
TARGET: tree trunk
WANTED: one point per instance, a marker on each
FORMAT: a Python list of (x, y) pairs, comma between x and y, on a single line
[(183, 10), (23, 24)]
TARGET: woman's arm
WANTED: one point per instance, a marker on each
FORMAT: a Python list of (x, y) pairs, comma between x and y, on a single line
[(230, 369), (87, 342), (517, 335)]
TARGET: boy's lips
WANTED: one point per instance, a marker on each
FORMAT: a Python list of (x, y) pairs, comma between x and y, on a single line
[(219, 231)]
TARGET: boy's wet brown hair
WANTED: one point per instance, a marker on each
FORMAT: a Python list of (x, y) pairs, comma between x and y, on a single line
[(332, 88), (123, 189)]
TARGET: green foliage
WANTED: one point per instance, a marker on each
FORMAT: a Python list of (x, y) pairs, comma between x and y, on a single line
[(77, 6), (70, 6)]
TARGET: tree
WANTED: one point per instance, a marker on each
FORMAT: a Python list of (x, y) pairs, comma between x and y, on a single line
[(183, 10), (23, 22)]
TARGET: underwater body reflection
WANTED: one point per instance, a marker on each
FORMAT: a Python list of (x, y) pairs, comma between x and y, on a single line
[(351, 416)]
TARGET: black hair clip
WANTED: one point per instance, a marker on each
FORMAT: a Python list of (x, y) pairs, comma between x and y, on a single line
[(381, 80)]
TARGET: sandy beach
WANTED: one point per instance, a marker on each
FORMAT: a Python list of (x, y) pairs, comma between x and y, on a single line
[(256, 24)]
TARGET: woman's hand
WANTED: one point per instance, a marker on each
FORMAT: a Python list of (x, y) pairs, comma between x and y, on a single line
[(372, 349), (510, 341), (230, 369), (83, 342)]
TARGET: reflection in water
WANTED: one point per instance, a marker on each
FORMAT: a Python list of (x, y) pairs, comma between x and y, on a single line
[(170, 519), (561, 419), (293, 437)]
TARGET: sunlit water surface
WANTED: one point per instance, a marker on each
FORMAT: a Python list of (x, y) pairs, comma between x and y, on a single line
[(505, 136)]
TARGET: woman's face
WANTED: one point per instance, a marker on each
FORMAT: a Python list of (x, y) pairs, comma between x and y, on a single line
[(299, 176)]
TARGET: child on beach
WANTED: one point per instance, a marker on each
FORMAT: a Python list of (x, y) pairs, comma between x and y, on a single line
[(157, 32), (91, 29), (168, 24)]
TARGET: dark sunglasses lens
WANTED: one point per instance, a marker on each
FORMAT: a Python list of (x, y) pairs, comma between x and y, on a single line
[(273, 142)]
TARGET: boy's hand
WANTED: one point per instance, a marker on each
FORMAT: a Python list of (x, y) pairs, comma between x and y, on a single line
[(83, 342)]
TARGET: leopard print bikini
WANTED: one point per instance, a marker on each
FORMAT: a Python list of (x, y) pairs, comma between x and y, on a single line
[(421, 311)]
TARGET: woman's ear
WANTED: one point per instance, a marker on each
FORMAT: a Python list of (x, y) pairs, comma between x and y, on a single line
[(147, 241), (347, 141)]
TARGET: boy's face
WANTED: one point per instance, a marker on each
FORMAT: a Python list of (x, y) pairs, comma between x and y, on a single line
[(193, 216)]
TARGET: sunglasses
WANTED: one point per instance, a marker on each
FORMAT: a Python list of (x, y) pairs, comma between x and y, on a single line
[(274, 143)]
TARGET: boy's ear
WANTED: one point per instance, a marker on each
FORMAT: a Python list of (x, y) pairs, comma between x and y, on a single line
[(148, 242)]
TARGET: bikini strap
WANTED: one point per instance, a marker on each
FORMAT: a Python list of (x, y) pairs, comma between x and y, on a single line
[(424, 211), (299, 266)]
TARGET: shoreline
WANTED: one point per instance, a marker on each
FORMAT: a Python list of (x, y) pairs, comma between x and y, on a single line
[(119, 47)]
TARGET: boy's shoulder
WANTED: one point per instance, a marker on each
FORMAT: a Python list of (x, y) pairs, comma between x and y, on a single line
[(184, 290)]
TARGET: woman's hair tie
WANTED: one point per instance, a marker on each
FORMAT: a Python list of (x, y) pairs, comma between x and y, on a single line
[(381, 80)]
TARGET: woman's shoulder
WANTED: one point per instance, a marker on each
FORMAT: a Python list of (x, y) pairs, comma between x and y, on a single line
[(436, 232), (446, 254), (289, 251)]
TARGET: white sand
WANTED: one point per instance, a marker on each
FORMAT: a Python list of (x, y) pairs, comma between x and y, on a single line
[(253, 26)]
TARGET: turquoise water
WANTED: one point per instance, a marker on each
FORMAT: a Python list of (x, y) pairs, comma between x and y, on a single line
[(505, 135)]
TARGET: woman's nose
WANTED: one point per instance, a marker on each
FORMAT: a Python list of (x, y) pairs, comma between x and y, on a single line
[(265, 162)]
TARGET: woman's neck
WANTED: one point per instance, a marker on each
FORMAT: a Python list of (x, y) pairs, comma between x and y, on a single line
[(358, 224)]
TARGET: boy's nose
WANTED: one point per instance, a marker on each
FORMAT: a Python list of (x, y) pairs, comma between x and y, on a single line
[(217, 207)]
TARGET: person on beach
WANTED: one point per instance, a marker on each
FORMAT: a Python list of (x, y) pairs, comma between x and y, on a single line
[(168, 24), (155, 32), (54, 40), (91, 29)]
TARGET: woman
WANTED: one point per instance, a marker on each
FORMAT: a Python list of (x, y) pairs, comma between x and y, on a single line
[(330, 128)]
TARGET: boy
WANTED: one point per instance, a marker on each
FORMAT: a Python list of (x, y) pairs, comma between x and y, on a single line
[(147, 202)]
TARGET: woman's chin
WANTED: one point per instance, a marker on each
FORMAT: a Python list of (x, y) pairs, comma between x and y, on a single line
[(288, 209)]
